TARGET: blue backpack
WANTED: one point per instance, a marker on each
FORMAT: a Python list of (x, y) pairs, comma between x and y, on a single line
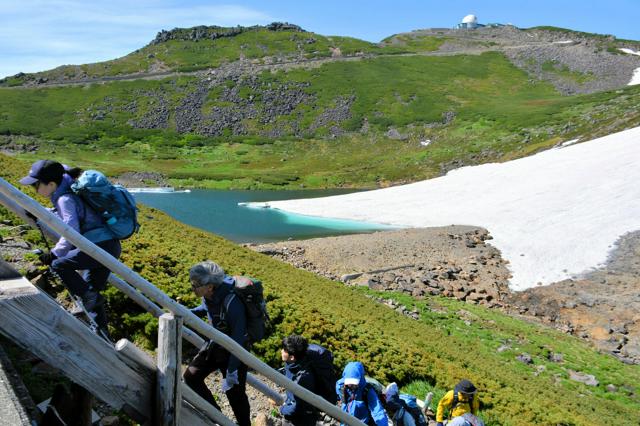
[(113, 203), (411, 406)]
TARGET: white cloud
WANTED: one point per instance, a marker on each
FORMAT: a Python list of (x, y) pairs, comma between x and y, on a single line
[(35, 33)]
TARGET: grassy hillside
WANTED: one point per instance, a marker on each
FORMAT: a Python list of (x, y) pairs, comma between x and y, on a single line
[(451, 340), (350, 123), (192, 49)]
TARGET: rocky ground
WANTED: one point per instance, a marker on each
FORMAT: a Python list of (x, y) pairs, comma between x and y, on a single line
[(603, 306), (10, 144), (142, 180), (452, 261), (548, 55), (456, 261)]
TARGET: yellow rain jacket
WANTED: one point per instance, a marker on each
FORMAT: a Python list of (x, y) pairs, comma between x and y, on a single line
[(460, 409)]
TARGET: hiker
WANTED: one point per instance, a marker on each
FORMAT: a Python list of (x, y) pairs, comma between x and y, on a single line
[(358, 398), (228, 315), (53, 180), (402, 408), (462, 399), (294, 355)]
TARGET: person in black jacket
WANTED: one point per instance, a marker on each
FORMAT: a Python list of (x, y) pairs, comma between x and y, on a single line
[(228, 315), (296, 411)]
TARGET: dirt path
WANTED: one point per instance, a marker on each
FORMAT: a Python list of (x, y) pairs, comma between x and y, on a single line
[(248, 66)]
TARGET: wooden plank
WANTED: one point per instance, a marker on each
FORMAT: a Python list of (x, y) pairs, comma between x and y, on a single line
[(198, 406), (169, 396), (7, 271), (38, 323)]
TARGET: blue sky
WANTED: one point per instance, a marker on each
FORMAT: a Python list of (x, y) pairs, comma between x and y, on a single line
[(36, 35)]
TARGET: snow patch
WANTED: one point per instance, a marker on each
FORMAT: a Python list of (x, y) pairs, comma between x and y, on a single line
[(563, 42), (635, 79), (567, 143), (629, 51), (552, 215)]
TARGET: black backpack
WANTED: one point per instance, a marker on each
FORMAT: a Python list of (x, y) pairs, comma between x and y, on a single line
[(457, 401), (250, 292), (319, 361)]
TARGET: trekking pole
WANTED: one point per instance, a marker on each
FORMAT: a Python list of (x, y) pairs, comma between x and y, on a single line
[(427, 403), (44, 237)]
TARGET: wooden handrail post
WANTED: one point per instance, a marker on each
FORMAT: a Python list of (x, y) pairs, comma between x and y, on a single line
[(169, 395)]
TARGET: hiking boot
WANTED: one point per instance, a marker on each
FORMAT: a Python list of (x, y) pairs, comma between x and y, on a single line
[(76, 309), (91, 300)]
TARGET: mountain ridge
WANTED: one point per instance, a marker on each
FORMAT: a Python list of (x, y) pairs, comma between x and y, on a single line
[(402, 43), (289, 108)]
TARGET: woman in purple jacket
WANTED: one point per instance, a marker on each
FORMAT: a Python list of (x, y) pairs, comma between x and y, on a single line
[(51, 179)]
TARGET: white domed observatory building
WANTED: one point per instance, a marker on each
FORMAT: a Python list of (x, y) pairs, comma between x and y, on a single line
[(469, 22)]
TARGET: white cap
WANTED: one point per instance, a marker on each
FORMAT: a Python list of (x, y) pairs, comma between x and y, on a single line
[(391, 390), (352, 381)]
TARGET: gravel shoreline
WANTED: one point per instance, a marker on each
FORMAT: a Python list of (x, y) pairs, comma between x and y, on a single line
[(456, 261)]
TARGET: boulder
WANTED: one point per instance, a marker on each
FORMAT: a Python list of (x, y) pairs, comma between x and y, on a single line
[(587, 379), (525, 358)]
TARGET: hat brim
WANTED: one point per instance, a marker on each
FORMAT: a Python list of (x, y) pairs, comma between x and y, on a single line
[(28, 180), (351, 381)]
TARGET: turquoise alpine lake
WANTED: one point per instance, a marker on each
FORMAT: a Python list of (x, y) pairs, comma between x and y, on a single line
[(218, 212)]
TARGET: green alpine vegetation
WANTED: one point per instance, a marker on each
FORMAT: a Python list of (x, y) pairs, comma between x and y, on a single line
[(451, 339), (361, 123), (192, 49)]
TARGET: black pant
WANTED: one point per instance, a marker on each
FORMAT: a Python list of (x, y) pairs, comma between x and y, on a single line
[(213, 357), (94, 274), (300, 422), (311, 420)]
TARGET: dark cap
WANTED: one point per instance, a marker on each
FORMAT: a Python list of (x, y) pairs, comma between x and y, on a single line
[(465, 386), (43, 171)]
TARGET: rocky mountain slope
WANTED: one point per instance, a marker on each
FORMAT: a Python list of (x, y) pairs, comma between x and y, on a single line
[(574, 62), (278, 106), (460, 262)]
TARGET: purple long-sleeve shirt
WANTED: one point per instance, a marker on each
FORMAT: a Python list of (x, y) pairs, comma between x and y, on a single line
[(77, 215)]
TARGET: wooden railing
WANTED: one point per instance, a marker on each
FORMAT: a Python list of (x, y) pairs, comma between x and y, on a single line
[(125, 378), (136, 287)]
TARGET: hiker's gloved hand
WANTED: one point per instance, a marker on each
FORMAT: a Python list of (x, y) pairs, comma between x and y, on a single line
[(30, 215), (230, 381), (47, 257)]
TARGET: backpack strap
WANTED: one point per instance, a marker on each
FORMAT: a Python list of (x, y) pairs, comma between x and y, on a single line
[(225, 305), (80, 201), (456, 401)]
